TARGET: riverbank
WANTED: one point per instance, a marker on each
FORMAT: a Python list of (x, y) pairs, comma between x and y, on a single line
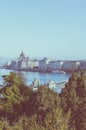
[(37, 70)]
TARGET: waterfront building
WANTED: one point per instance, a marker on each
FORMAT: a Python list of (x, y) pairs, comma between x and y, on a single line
[(8, 63), (11, 64), (43, 64), (83, 65), (14, 64), (25, 62), (71, 65), (22, 61), (53, 65), (34, 64)]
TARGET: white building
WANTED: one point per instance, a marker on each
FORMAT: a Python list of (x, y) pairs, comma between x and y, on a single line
[(53, 65), (54, 86), (22, 61), (35, 84), (34, 64)]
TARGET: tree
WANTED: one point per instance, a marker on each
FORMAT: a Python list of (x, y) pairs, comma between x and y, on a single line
[(14, 78), (45, 103), (74, 99), (4, 125), (26, 109), (15, 93)]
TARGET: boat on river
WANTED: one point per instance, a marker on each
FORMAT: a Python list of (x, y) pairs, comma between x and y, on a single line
[(58, 72)]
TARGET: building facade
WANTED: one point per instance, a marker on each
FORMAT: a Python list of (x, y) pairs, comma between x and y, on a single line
[(71, 65), (83, 65), (43, 64), (22, 61), (53, 65)]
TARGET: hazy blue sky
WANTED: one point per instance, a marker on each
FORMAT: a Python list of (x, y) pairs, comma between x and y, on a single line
[(51, 28)]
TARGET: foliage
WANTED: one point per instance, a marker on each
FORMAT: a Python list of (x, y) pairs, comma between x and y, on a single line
[(15, 93), (24, 109), (46, 105), (74, 99)]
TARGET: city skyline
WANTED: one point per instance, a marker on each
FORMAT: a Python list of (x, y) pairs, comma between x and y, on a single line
[(53, 29)]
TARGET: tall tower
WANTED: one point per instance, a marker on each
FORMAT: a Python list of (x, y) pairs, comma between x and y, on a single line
[(22, 55), (23, 61)]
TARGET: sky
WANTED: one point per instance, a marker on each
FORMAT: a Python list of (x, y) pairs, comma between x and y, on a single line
[(43, 28)]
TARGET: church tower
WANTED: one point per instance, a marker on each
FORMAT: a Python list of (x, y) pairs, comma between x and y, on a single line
[(23, 61)]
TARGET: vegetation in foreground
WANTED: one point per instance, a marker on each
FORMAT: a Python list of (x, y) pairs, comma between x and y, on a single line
[(24, 109)]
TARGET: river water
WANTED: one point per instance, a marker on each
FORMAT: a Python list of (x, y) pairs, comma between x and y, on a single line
[(44, 78)]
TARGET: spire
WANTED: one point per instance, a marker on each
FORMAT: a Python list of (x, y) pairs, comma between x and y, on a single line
[(22, 54)]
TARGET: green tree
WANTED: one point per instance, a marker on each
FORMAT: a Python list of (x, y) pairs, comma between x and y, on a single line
[(14, 78), (31, 110), (74, 99), (45, 103), (15, 93)]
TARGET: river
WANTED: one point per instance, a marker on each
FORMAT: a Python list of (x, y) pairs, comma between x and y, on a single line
[(44, 78)]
